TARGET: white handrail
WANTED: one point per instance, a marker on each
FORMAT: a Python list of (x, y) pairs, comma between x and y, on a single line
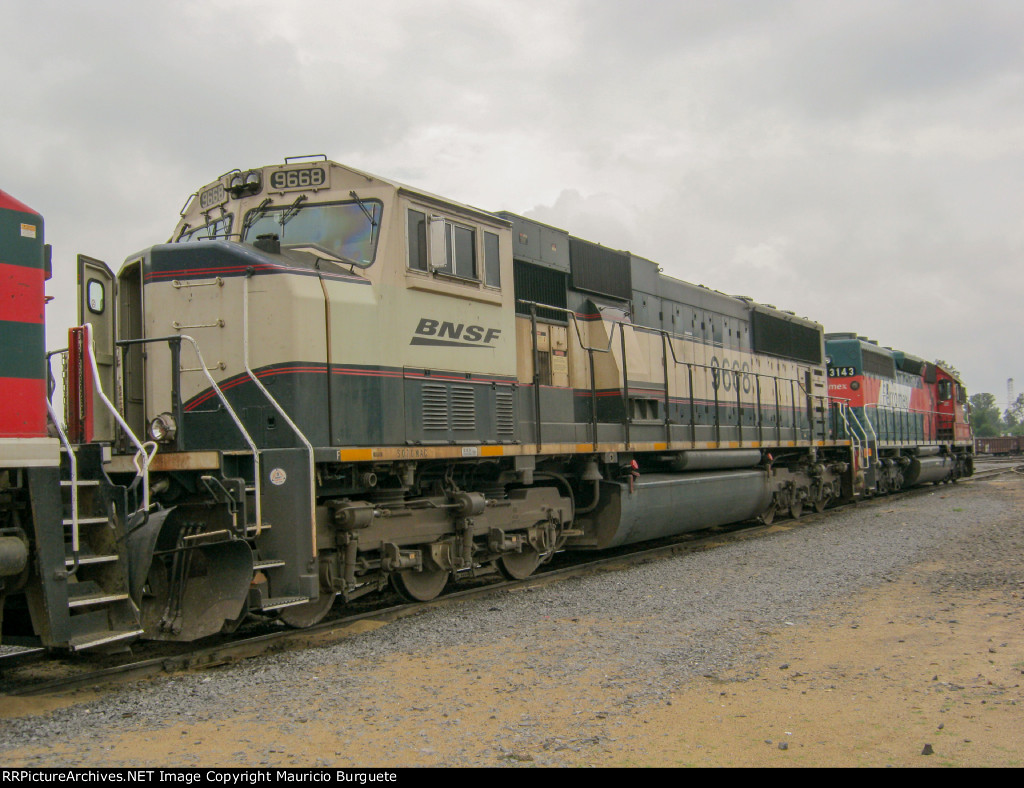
[(864, 433), (146, 457), (843, 410), (73, 463), (241, 428), (277, 407)]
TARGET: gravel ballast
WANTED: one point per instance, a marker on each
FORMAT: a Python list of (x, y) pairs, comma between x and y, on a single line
[(633, 636)]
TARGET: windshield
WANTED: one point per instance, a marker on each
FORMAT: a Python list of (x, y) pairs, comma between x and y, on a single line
[(348, 230), (215, 229)]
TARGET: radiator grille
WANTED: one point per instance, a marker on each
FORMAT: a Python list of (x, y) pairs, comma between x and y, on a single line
[(786, 338), (542, 286), (598, 269)]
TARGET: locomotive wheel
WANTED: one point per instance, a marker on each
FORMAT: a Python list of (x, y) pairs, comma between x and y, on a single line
[(518, 566), (420, 586), (302, 616)]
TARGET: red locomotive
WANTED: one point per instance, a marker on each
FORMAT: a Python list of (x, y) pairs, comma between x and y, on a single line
[(907, 417)]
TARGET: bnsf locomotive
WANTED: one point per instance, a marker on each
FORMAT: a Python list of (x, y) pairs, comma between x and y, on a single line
[(328, 382)]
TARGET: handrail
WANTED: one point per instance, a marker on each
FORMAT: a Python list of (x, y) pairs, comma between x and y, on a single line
[(73, 463), (276, 405), (238, 424), (864, 434), (844, 410), (178, 338), (590, 350), (667, 338), (572, 314), (142, 470)]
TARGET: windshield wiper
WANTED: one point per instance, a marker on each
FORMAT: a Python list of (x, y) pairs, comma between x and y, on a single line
[(362, 207), (255, 216), (293, 209)]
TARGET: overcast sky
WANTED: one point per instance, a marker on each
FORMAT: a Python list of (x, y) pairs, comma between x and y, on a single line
[(859, 162)]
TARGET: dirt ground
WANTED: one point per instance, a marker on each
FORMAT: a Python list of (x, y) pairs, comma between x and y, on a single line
[(900, 675)]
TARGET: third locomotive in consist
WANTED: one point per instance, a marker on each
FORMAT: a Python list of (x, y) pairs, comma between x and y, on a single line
[(327, 382)]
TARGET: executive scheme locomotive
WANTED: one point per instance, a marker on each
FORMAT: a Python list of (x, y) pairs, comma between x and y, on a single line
[(326, 382)]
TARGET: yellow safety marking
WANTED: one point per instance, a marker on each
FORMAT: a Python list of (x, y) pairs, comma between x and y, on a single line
[(356, 455), (390, 453)]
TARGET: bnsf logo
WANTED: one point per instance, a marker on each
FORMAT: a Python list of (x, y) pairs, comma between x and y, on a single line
[(435, 332)]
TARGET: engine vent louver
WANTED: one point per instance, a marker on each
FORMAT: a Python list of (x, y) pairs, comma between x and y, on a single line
[(878, 364), (435, 407), (463, 408), (505, 416)]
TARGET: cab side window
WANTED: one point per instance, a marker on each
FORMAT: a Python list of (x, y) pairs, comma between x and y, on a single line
[(460, 250), (492, 263), (417, 240), (464, 248)]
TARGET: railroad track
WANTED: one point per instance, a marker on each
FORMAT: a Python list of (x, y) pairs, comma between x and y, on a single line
[(35, 672)]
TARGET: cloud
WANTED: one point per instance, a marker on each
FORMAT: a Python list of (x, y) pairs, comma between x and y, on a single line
[(859, 163)]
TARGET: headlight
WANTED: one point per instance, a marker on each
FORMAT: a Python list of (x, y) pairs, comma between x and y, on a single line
[(163, 428), (243, 184)]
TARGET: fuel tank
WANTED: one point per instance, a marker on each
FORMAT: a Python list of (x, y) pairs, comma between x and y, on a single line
[(665, 504), (716, 460), (930, 469)]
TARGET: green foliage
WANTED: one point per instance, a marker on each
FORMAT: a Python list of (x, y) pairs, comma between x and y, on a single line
[(984, 417), (949, 368), (1013, 417)]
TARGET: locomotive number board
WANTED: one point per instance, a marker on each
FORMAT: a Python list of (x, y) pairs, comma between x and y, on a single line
[(299, 178), (215, 195)]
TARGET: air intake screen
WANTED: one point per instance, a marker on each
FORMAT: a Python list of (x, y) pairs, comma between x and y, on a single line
[(785, 338), (598, 269), (540, 285), (911, 366), (878, 364)]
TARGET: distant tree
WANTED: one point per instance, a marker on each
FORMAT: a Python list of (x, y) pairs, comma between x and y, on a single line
[(949, 368), (1013, 416), (984, 417)]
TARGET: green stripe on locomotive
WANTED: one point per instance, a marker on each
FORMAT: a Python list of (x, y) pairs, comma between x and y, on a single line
[(21, 238)]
